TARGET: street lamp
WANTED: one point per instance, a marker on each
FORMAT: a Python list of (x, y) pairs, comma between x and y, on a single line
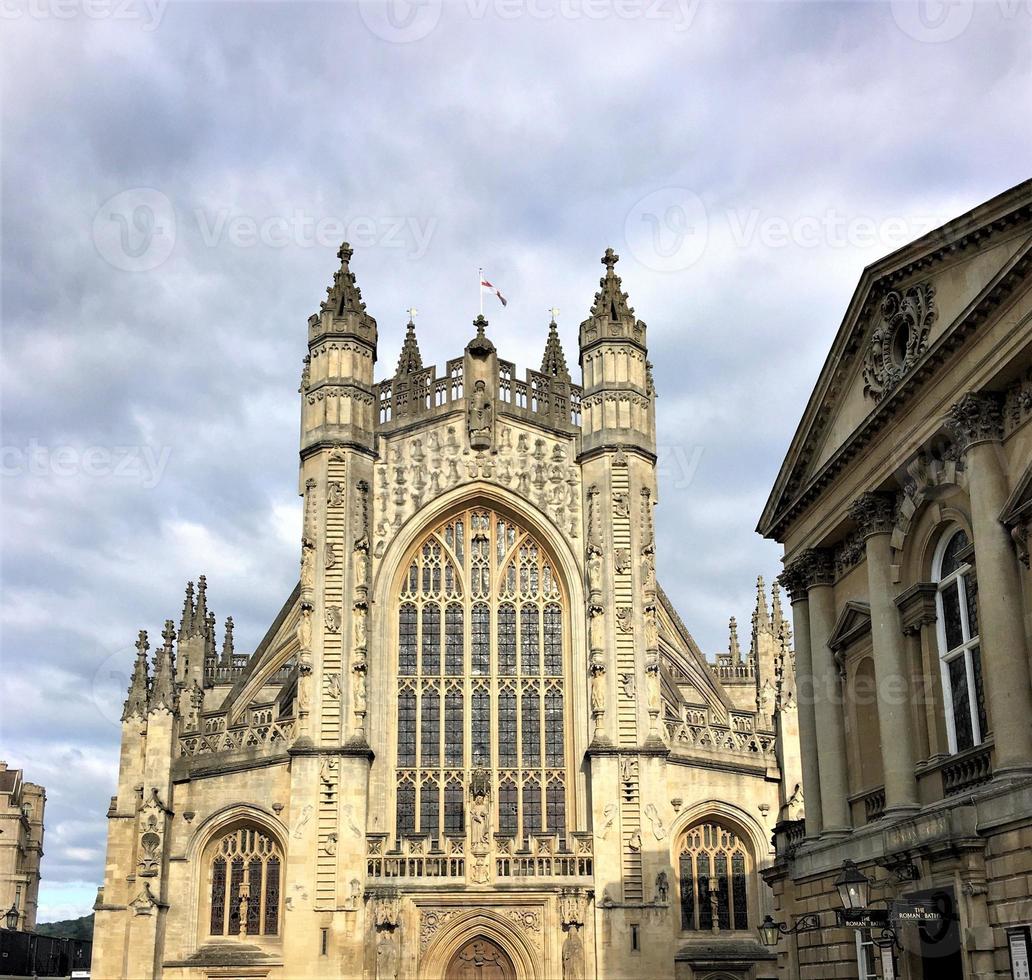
[(12, 918), (854, 888), (770, 932)]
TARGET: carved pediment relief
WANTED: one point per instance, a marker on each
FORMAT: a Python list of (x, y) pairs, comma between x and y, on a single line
[(899, 338)]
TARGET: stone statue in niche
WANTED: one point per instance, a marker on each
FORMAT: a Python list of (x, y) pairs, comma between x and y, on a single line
[(480, 420), (304, 631), (662, 888), (598, 690), (573, 955), (386, 956), (595, 576)]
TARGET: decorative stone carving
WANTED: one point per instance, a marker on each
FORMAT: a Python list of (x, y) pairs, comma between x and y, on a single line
[(596, 630), (874, 513), (899, 340), (145, 903), (304, 631), (849, 553), (573, 955), (430, 921), (308, 521), (572, 902), (598, 696), (624, 619), (480, 417), (329, 845), (662, 889), (479, 811), (656, 822), (358, 694), (302, 822), (977, 417), (386, 956), (386, 909), (336, 494), (333, 619)]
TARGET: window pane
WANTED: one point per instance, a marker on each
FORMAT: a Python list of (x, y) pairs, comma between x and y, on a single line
[(723, 916), (556, 809), (454, 808), (481, 728), (236, 878), (506, 640), (480, 659), (687, 893), (530, 660), (453, 729), (531, 809), (951, 617), (272, 893), (554, 728), (508, 809), (455, 646), (218, 897), (705, 908), (429, 744), (741, 900), (254, 897), (407, 639), (530, 727), (950, 561), (429, 808), (961, 705), (971, 592), (406, 728), (553, 639), (406, 809), (431, 638), (983, 720), (507, 728)]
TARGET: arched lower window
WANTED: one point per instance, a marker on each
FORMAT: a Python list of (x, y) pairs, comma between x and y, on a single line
[(481, 638), (959, 647), (712, 867), (245, 884)]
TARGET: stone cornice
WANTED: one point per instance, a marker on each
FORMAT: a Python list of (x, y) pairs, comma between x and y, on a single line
[(917, 607)]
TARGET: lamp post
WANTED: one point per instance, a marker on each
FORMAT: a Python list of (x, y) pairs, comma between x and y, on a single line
[(11, 918), (854, 888)]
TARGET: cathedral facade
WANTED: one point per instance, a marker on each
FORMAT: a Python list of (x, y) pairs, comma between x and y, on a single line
[(477, 741)]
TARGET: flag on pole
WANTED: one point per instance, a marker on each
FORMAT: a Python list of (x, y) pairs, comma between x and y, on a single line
[(485, 284)]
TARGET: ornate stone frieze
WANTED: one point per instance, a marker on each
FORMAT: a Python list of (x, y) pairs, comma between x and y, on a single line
[(416, 470), (1017, 402), (899, 339), (874, 513), (848, 553), (977, 417)]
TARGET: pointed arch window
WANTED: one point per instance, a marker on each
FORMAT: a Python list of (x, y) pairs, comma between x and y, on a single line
[(245, 884), (713, 864), (482, 673)]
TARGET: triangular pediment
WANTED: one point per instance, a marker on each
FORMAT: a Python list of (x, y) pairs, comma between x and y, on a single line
[(854, 622), (1019, 503), (902, 320)]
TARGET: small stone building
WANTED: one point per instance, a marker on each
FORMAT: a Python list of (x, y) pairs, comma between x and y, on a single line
[(477, 741), (21, 845), (904, 506)]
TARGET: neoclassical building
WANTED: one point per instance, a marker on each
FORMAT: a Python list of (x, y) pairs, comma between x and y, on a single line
[(21, 845), (477, 741), (904, 506)]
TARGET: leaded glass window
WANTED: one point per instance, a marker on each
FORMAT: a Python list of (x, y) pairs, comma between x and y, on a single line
[(713, 865), (482, 666), (959, 644), (245, 901)]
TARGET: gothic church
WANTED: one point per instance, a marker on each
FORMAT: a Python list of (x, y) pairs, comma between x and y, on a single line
[(477, 741)]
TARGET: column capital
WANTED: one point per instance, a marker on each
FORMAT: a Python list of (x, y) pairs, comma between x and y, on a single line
[(977, 417), (809, 568), (874, 513)]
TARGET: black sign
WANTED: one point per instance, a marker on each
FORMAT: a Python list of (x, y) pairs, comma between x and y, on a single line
[(916, 912)]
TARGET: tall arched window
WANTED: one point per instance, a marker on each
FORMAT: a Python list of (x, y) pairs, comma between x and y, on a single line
[(712, 867), (481, 633), (245, 884), (959, 648)]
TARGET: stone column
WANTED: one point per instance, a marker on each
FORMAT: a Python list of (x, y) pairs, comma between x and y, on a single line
[(916, 612), (976, 424), (827, 694), (794, 580), (874, 514)]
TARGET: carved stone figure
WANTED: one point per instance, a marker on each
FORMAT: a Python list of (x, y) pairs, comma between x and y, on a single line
[(386, 956), (307, 569), (598, 689), (573, 955), (662, 888), (480, 423), (304, 630)]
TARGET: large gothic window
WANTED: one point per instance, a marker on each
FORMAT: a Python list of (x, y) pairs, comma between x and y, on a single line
[(481, 631), (959, 647), (245, 884), (713, 864)]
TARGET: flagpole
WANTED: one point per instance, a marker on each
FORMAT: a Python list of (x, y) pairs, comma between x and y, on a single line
[(480, 287)]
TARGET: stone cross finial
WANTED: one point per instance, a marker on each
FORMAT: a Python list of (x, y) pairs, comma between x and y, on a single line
[(553, 313), (609, 260), (345, 252)]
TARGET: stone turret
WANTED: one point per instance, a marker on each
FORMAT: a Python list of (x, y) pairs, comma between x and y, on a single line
[(337, 406), (617, 407), (139, 686)]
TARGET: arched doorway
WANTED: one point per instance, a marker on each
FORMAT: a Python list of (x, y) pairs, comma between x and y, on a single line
[(480, 959)]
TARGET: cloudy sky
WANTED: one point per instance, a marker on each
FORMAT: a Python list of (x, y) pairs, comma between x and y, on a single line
[(176, 179)]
